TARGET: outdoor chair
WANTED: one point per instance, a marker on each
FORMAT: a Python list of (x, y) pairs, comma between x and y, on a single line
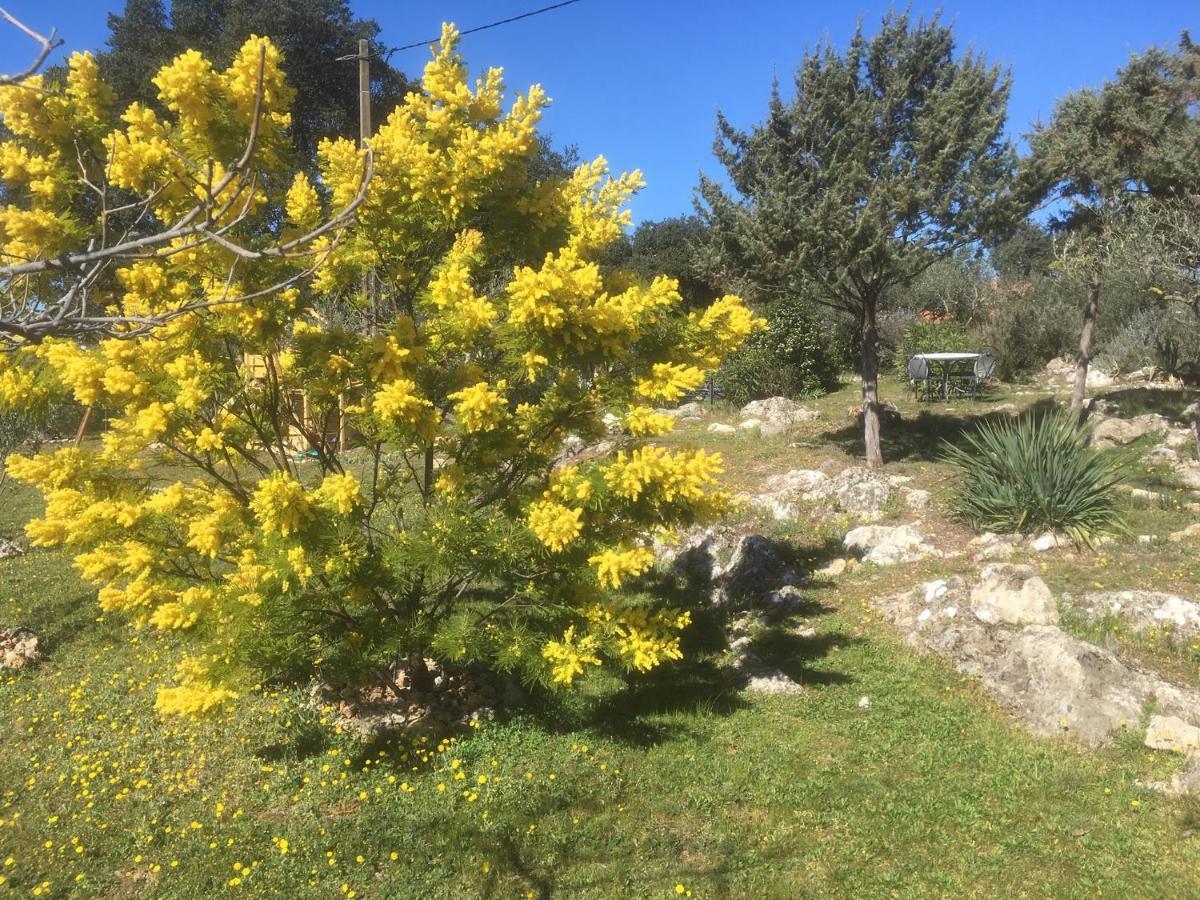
[(918, 377), (985, 368)]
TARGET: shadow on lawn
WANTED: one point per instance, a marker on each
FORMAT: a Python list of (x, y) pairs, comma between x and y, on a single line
[(1161, 401), (924, 438)]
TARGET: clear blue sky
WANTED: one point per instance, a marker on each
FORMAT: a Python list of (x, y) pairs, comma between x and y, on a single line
[(640, 82)]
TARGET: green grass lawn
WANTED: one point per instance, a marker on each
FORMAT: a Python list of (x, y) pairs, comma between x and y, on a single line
[(676, 782)]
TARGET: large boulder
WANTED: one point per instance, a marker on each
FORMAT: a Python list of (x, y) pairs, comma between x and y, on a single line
[(992, 546), (1013, 595), (1188, 473), (887, 545), (18, 648), (1141, 610), (777, 415), (758, 675), (694, 555), (1172, 733), (1061, 373), (1056, 683), (1052, 682), (1186, 783), (689, 411), (756, 568), (856, 491), (1118, 432)]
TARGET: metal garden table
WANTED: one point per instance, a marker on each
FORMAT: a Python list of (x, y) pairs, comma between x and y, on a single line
[(945, 362)]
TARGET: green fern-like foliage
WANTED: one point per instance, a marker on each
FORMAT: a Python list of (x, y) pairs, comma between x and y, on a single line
[(1034, 474)]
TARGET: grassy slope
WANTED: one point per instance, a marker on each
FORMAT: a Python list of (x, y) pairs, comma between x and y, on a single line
[(930, 791)]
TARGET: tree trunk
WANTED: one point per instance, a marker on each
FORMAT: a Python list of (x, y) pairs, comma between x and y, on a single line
[(1087, 337), (870, 387)]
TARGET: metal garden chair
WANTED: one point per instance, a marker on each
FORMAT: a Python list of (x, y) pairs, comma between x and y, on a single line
[(985, 368), (918, 377)]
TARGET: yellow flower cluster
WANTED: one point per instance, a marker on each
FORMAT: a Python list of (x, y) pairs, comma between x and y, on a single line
[(398, 401), (339, 492), (303, 205), (280, 504), (642, 421), (670, 381), (195, 694), (614, 566), (554, 524), (569, 656), (645, 639), (464, 313), (480, 407), (662, 474), (186, 87)]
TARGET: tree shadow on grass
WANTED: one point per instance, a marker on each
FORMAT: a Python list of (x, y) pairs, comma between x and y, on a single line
[(1158, 401), (794, 655), (921, 439), (924, 438)]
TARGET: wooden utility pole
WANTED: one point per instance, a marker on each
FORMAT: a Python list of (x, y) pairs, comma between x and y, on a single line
[(364, 92), (370, 288)]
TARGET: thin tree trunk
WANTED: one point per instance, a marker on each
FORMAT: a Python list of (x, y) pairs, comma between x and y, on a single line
[(1087, 336), (870, 387)]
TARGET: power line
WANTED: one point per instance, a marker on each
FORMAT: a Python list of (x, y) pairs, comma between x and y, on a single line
[(386, 54)]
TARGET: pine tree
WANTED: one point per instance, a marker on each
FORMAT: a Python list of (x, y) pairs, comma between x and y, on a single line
[(891, 155)]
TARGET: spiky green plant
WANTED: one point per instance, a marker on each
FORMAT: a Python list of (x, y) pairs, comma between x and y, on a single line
[(1036, 473)]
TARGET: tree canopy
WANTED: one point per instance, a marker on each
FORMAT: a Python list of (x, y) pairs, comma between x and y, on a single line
[(673, 247), (340, 500), (890, 155), (146, 36), (1136, 136)]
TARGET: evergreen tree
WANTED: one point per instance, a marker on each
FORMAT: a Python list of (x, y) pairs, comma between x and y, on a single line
[(673, 247), (891, 155), (312, 35), (1136, 136)]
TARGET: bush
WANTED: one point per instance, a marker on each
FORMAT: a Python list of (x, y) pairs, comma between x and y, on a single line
[(1167, 338), (792, 357), (449, 529), (1036, 474), (924, 335), (1029, 325)]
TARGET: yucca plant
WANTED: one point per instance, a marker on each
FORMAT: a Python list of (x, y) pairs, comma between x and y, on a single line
[(1037, 473)]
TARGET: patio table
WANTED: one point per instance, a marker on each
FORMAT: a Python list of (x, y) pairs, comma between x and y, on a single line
[(945, 362)]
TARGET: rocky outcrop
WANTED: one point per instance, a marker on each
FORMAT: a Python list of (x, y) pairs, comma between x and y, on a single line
[(18, 648), (1051, 681), (775, 415), (1118, 432), (1061, 373), (887, 545), (687, 412), (1141, 610), (1172, 733), (1013, 595), (759, 676), (755, 569), (856, 491)]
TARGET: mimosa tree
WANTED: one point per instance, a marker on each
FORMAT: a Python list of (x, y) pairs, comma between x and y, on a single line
[(484, 333)]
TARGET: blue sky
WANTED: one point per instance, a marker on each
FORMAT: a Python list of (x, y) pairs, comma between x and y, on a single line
[(640, 82)]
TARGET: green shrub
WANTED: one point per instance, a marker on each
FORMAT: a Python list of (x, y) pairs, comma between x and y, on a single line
[(792, 357), (1029, 325), (931, 336), (1163, 337), (1036, 474)]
